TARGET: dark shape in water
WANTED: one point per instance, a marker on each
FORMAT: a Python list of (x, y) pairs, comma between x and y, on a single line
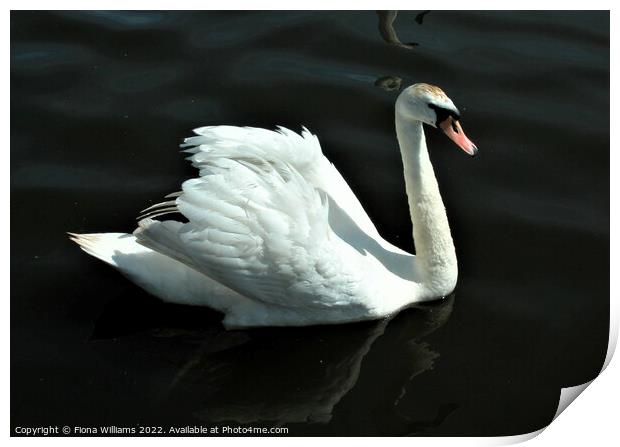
[(420, 17), (386, 28), (297, 375), (389, 83), (300, 375)]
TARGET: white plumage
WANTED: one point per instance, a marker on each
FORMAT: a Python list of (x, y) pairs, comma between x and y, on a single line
[(275, 236)]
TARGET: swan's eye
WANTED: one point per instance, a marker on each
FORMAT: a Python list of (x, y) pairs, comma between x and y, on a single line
[(455, 128), (443, 114)]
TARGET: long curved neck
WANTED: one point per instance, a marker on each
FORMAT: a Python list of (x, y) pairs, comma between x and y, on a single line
[(431, 232)]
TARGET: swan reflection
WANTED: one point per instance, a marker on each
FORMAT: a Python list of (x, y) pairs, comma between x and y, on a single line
[(296, 375), (388, 32), (386, 28), (420, 17)]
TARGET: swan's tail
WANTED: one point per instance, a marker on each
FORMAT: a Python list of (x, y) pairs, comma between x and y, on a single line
[(158, 274), (107, 246)]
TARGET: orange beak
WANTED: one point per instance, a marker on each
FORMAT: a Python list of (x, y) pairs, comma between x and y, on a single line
[(452, 128)]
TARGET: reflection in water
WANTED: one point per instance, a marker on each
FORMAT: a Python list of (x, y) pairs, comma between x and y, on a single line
[(389, 83), (293, 375), (386, 28), (420, 17)]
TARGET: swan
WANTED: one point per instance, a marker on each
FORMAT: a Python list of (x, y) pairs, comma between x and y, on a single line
[(275, 236)]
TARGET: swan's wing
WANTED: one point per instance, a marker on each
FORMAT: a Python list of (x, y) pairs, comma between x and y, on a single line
[(301, 151), (259, 227)]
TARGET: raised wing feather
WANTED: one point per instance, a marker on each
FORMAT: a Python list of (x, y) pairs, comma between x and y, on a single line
[(258, 223), (301, 151)]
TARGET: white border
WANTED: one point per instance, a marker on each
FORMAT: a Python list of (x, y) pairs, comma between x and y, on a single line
[(196, 5)]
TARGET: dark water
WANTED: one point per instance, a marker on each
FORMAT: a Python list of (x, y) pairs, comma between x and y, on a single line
[(99, 102)]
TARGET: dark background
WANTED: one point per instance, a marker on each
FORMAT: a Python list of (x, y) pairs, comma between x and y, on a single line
[(99, 102)]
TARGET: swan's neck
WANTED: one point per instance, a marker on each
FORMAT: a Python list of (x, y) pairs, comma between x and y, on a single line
[(431, 232)]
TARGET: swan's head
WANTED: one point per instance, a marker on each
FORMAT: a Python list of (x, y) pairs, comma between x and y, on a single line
[(430, 105)]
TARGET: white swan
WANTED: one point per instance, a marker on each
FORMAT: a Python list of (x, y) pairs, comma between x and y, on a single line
[(275, 236)]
